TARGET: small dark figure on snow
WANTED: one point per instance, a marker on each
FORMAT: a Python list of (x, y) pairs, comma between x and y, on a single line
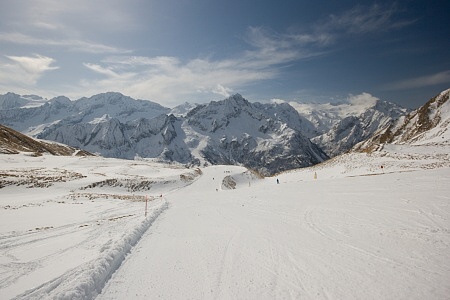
[(278, 182)]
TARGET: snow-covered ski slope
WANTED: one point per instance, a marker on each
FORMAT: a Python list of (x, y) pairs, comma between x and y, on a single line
[(358, 231), (67, 223)]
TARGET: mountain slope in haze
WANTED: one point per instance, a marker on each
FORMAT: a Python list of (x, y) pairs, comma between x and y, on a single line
[(160, 137), (11, 100), (33, 120), (341, 126), (13, 142), (427, 125)]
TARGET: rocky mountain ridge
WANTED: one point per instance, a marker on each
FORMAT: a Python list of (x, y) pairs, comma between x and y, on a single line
[(427, 125)]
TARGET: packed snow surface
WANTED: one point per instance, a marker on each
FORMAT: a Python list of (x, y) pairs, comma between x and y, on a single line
[(360, 226)]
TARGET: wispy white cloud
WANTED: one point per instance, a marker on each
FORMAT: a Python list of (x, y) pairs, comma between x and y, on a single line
[(421, 81), (102, 70), (274, 47), (141, 60), (221, 90), (364, 19), (74, 26), (72, 17), (70, 44), (167, 79), (363, 99), (25, 70), (52, 23), (357, 21)]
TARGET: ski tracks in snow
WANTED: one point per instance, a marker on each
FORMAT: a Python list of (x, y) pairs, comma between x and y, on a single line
[(318, 241), (88, 280), (227, 262)]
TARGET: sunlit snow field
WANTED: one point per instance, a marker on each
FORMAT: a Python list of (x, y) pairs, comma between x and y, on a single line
[(360, 226)]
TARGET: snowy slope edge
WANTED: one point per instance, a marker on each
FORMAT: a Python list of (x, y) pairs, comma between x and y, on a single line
[(87, 281)]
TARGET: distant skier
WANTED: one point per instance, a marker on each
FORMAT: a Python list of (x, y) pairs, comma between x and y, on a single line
[(278, 182)]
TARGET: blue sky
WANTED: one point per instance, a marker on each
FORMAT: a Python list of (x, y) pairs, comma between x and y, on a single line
[(200, 50)]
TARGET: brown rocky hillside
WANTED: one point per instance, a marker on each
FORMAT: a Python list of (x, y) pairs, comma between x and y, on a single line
[(13, 142)]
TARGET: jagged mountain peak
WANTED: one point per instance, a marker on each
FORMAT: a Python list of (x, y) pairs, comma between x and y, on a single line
[(12, 100), (218, 114), (232, 103), (236, 99), (60, 101)]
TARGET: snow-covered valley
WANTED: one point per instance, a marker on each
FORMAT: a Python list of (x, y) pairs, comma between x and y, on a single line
[(360, 226)]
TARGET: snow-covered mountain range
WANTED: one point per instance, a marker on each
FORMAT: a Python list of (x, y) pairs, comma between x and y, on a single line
[(268, 137)]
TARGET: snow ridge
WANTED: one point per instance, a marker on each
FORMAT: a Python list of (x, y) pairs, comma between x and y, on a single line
[(87, 281)]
